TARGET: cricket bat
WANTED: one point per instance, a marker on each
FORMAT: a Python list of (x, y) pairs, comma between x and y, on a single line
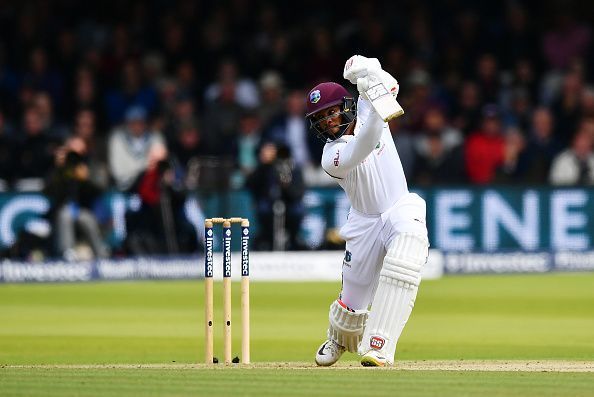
[(383, 101)]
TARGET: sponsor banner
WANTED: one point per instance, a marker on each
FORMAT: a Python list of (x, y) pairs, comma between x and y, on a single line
[(22, 272), (518, 262), (510, 219), (295, 266), (465, 219), (151, 268), (126, 269), (574, 261), (507, 262), (307, 266), (267, 266), (287, 266)]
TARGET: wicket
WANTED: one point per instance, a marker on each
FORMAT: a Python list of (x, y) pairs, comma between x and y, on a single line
[(245, 288)]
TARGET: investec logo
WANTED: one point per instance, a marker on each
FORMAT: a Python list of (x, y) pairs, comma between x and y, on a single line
[(227, 253), (209, 266), (244, 253)]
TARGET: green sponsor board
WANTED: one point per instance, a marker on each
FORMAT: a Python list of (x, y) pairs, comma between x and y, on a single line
[(18, 211), (459, 219), (532, 219)]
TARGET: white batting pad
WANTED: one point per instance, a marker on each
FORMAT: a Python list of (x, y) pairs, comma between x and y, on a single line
[(395, 295), (346, 325)]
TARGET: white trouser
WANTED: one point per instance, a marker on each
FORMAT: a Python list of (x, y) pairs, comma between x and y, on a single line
[(368, 238)]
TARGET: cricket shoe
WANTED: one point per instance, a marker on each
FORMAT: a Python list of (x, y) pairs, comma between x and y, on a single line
[(374, 358), (329, 353)]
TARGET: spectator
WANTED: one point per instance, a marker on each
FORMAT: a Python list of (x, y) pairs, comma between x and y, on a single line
[(7, 152), (245, 92), (277, 188), (468, 34), (174, 46), (405, 144), (281, 58), (116, 52), (394, 61), (86, 95), (417, 100), (271, 88), (290, 128), (45, 108), (129, 146), (73, 195), (439, 153), (35, 154), (514, 163), (487, 74), (520, 111), (542, 146), (182, 112), (422, 39), (566, 109), (216, 44), (249, 141), (95, 152), (132, 92), (525, 79), (221, 121), (40, 77), (467, 110), (168, 90), (569, 40), (322, 61), (574, 166), (186, 151), (158, 226), (186, 80), (66, 56), (519, 38), (484, 151)]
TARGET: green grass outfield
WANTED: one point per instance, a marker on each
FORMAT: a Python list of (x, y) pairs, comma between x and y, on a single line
[(468, 335)]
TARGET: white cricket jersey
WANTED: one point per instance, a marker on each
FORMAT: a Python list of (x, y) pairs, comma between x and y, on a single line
[(367, 164)]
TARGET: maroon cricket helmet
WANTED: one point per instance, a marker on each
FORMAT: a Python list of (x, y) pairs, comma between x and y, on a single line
[(324, 96)]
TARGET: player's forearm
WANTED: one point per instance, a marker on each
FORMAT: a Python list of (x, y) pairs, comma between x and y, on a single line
[(357, 149)]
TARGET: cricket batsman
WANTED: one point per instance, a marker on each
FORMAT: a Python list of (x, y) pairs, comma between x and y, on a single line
[(385, 233)]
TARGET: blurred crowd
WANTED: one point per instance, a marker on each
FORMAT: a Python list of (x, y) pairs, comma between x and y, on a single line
[(159, 99)]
